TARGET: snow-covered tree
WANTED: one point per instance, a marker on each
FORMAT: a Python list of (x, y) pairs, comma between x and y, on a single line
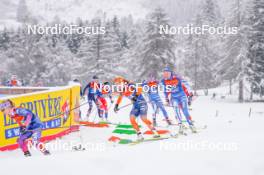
[(233, 64), (157, 47), (22, 12), (256, 48), (59, 65), (27, 55), (204, 48)]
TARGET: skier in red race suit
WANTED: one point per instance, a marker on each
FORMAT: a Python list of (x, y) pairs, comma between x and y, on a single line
[(101, 102)]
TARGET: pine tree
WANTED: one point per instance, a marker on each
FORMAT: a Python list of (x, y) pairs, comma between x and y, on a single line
[(205, 47), (111, 51), (131, 57), (4, 39), (233, 64), (97, 45), (60, 64), (158, 47), (256, 48), (85, 61), (22, 12), (27, 56)]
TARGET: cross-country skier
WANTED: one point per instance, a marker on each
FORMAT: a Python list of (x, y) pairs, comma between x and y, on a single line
[(101, 102), (152, 86), (90, 89), (29, 123), (179, 93), (139, 108)]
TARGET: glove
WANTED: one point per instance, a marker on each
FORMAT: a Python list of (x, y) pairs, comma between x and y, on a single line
[(134, 99), (190, 99), (23, 129), (167, 102), (116, 108)]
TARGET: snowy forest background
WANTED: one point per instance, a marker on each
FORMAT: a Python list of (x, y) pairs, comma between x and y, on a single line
[(132, 46)]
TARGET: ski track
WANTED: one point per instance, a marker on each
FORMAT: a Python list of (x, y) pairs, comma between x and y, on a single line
[(227, 123)]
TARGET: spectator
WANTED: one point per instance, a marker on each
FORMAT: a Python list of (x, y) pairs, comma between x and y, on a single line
[(13, 82)]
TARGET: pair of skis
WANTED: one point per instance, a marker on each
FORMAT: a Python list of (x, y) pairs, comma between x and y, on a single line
[(167, 137)]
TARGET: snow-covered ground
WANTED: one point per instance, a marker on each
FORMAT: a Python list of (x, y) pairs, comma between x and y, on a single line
[(232, 144)]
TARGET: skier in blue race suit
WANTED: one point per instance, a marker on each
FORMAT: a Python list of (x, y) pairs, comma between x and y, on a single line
[(91, 89), (177, 93), (153, 94)]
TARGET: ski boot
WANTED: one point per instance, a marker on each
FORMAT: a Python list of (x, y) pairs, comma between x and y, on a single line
[(155, 133), (88, 113), (154, 122), (78, 148), (168, 121), (46, 152), (193, 129), (180, 129), (184, 127), (139, 137), (27, 154)]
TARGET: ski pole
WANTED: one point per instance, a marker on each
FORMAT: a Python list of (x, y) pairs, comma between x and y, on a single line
[(59, 115), (126, 105)]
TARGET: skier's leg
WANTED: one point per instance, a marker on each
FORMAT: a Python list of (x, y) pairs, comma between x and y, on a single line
[(185, 110), (106, 115), (155, 111), (36, 141), (176, 106), (147, 122), (22, 141), (133, 114), (100, 113), (134, 123), (143, 115), (164, 112), (104, 107), (90, 103)]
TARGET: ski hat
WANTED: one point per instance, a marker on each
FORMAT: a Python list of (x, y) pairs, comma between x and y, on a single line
[(6, 104), (95, 77), (167, 69), (152, 77), (120, 80)]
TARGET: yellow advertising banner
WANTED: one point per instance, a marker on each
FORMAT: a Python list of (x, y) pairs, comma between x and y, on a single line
[(57, 109)]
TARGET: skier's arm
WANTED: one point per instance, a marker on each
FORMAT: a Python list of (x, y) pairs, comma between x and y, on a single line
[(187, 91), (86, 88), (28, 116), (166, 94), (118, 102), (110, 97), (186, 88)]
